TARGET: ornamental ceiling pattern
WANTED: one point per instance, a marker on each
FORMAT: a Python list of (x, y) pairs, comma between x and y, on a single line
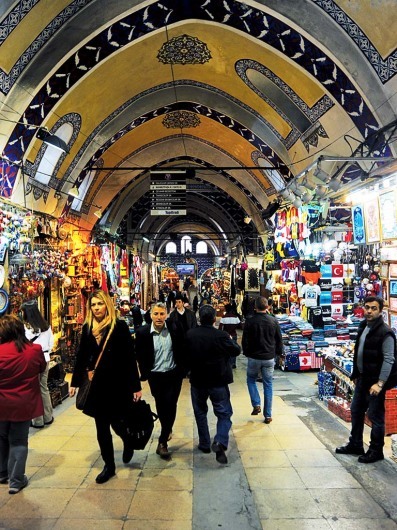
[(213, 83)]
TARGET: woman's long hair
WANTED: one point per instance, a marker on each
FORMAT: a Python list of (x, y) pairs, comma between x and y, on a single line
[(32, 316), (12, 330), (110, 319)]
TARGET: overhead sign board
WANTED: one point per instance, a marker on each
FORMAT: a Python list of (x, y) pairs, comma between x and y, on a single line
[(168, 192)]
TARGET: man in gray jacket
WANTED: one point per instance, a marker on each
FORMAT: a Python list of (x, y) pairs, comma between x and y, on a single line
[(261, 343)]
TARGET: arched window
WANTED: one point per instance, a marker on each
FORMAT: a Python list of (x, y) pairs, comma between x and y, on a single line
[(52, 155), (201, 247), (170, 248), (186, 244)]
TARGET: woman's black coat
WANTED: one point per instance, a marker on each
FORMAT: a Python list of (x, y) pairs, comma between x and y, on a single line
[(116, 376)]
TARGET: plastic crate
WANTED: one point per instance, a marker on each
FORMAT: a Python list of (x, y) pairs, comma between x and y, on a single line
[(390, 412), (339, 410)]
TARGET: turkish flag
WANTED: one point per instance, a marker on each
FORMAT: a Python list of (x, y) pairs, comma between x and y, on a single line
[(337, 271)]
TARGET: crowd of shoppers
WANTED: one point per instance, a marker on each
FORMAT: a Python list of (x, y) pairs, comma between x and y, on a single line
[(165, 350)]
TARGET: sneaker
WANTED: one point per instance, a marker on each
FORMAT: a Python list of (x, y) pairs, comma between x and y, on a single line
[(370, 457), (12, 491), (162, 451), (106, 474), (268, 420), (219, 451), (256, 410), (349, 449)]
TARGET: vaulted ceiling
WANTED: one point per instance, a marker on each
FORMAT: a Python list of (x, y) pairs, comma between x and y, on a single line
[(247, 94)]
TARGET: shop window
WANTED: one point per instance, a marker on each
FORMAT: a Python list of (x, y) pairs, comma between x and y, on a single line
[(170, 248), (186, 244), (201, 247)]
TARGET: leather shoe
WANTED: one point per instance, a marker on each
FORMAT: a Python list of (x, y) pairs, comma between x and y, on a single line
[(36, 426), (256, 411), (370, 456), (349, 449), (49, 422), (162, 451), (205, 450), (13, 491), (268, 420), (106, 474), (3, 480), (128, 453), (219, 451)]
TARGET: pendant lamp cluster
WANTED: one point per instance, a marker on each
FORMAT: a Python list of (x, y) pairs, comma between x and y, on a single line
[(307, 188)]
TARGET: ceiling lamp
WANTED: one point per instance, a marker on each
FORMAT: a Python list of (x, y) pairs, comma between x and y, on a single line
[(74, 192), (321, 191), (48, 138), (287, 195), (247, 219), (297, 202), (308, 184), (98, 213), (146, 239), (321, 175), (334, 185), (307, 197)]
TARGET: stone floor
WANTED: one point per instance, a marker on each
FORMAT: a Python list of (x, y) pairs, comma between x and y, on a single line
[(284, 475)]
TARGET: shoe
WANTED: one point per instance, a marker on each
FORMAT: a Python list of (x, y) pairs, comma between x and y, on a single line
[(106, 474), (205, 450), (12, 491), (268, 420), (219, 451), (256, 410), (36, 426), (349, 449), (128, 453), (234, 366), (3, 480), (370, 456), (170, 436), (49, 422), (162, 451)]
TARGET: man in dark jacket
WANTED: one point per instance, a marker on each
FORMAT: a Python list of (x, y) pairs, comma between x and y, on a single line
[(374, 372), (261, 342), (160, 358), (209, 351), (181, 318)]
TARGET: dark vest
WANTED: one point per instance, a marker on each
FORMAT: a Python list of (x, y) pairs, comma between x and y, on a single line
[(372, 353)]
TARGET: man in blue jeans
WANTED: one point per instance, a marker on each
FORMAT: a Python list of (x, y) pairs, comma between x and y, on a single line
[(261, 343), (209, 350)]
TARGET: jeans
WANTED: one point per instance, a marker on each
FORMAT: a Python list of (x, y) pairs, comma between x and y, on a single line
[(165, 388), (255, 366), (45, 396), (362, 401), (220, 399), (14, 451)]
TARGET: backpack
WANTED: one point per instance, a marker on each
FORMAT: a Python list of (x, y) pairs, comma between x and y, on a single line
[(138, 424)]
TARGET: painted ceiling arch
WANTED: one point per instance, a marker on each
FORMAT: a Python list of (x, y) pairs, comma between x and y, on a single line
[(236, 82)]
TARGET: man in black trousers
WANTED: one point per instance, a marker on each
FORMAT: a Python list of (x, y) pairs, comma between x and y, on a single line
[(209, 351), (374, 371), (160, 357)]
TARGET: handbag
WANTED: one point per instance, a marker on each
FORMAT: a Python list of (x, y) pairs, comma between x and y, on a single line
[(84, 388), (138, 424)]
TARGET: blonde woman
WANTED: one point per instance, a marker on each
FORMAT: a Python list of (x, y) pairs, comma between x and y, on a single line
[(115, 383)]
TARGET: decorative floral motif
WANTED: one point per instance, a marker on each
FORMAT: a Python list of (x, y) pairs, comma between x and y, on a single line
[(181, 119), (184, 49)]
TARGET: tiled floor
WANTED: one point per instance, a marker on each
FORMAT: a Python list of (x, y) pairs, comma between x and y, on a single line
[(279, 476)]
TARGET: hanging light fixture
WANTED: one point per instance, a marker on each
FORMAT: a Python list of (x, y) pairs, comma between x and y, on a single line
[(146, 239), (321, 175), (74, 192), (321, 191), (297, 202), (307, 196), (98, 213), (48, 138), (334, 185)]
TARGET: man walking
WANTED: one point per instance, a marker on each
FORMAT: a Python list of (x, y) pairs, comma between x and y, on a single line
[(209, 351), (374, 372), (230, 322), (160, 357), (181, 318), (261, 342)]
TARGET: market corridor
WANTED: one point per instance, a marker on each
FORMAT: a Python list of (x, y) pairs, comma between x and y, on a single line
[(280, 476)]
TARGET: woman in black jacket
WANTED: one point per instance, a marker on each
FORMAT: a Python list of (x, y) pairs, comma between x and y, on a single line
[(115, 379)]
